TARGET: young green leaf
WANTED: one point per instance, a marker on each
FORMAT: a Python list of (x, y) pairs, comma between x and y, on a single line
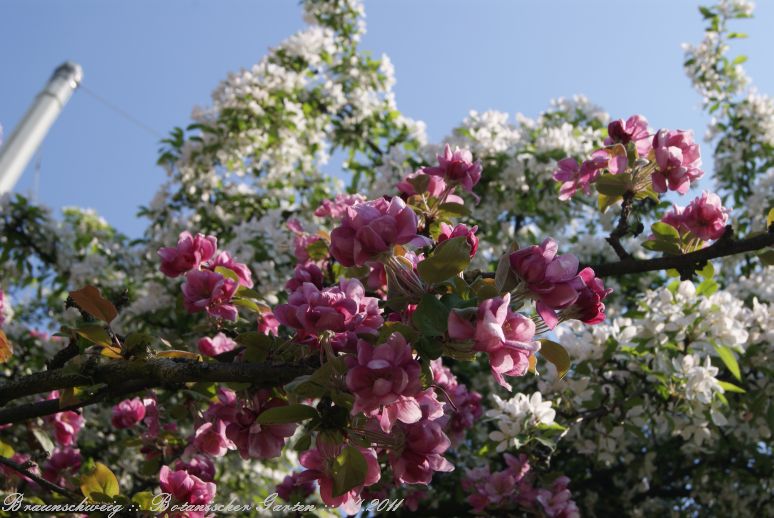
[(448, 259), (727, 356), (287, 414), (348, 470), (556, 354)]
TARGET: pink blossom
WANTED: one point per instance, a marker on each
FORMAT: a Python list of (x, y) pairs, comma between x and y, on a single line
[(216, 345), (677, 159), (372, 228), (422, 453), (208, 291), (199, 465), (506, 336), (66, 424), (589, 307), (268, 324), (224, 259), (318, 462), (436, 187), (706, 217), (185, 487), (11, 474), (380, 375), (128, 413), (307, 272), (457, 168), (294, 489), (675, 217), (447, 232), (341, 309), (2, 307), (62, 463), (557, 501), (552, 279), (465, 408), (253, 440), (634, 129), (337, 208), (576, 177), (301, 241), (189, 253), (210, 438), (151, 419)]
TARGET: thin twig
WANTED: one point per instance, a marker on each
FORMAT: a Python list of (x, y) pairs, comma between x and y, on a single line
[(38, 480), (622, 228)]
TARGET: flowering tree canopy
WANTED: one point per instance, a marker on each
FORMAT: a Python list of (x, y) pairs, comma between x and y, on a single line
[(557, 316)]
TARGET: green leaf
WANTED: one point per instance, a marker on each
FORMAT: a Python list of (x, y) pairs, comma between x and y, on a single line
[(606, 202), (100, 481), (505, 279), (730, 387), (729, 360), (143, 500), (556, 354), (451, 209), (614, 184), (227, 273), (708, 271), (665, 230), (431, 316), (409, 333), (287, 414), (658, 245), (6, 450), (448, 259), (707, 287), (44, 440), (767, 257), (318, 250), (770, 218), (94, 333), (348, 470), (739, 60), (257, 346), (429, 348)]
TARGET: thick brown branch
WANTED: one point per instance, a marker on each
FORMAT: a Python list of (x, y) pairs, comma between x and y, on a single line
[(39, 480), (156, 372), (622, 227), (721, 248)]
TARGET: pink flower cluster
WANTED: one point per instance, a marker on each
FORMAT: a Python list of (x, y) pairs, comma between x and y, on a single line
[(62, 466), (342, 309), (373, 228), (337, 208), (705, 217), (204, 288), (230, 424), (506, 336), (556, 283), (465, 405), (457, 168), (66, 424), (675, 154), (319, 463), (514, 488)]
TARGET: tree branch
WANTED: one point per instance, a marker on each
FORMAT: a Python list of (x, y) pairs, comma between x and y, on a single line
[(157, 372), (723, 247), (622, 227), (39, 480)]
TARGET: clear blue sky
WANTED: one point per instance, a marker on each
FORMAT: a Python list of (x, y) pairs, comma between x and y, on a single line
[(157, 59)]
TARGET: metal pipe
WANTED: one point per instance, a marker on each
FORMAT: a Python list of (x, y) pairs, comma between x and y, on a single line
[(16, 153)]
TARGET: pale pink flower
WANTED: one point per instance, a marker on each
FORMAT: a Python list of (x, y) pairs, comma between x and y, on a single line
[(337, 208), (208, 291), (706, 217), (185, 487), (216, 345), (634, 129), (241, 270), (457, 168), (678, 160)]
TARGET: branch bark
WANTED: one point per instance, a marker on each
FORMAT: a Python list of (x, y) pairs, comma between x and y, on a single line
[(622, 227), (39, 480), (158, 372)]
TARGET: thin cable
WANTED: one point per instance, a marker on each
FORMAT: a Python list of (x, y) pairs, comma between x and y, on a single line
[(126, 115)]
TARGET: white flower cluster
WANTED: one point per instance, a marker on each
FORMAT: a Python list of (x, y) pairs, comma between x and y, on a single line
[(518, 415)]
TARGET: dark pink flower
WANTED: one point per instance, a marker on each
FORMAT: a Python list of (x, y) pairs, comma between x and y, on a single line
[(3, 306), (436, 187), (381, 374), (373, 228), (268, 324), (318, 463), (294, 489), (210, 438), (465, 408), (62, 463), (557, 501), (461, 230), (457, 168), (307, 272), (574, 177), (66, 424), (675, 218), (185, 487), (422, 453), (506, 336), (337, 208), (706, 217), (241, 270), (189, 253), (341, 309), (677, 159), (634, 129), (198, 465), (128, 413), (253, 440), (208, 291), (589, 307), (216, 345)]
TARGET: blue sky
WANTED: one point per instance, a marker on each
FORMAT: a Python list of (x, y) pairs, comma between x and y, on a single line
[(156, 60)]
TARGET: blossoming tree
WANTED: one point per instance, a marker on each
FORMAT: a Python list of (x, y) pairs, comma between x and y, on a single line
[(482, 325)]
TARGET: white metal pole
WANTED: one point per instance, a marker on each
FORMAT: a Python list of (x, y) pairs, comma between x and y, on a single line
[(16, 153)]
